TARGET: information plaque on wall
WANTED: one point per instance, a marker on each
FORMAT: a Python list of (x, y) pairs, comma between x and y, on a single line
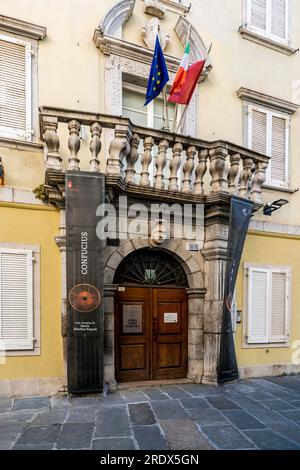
[(84, 257)]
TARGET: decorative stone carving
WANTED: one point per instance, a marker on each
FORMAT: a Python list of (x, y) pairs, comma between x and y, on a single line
[(116, 17), (118, 150), (146, 160), (53, 159), (258, 180), (198, 47), (188, 169), (174, 167), (235, 160), (160, 163), (74, 144), (200, 172), (132, 158), (219, 170), (154, 8), (95, 146), (245, 177), (159, 234), (149, 32)]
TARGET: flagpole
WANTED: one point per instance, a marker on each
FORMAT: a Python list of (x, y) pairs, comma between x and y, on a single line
[(177, 105), (166, 126), (183, 117)]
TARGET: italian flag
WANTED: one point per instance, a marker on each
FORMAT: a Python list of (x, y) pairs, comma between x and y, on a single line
[(186, 79)]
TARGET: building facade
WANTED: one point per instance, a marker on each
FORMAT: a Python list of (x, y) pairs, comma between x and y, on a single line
[(72, 86)]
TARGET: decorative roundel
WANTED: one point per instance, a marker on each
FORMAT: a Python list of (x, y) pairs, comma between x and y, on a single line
[(84, 298)]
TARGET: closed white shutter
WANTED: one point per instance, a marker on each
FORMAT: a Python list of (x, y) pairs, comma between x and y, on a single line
[(15, 88), (257, 130), (279, 307), (257, 15), (16, 299), (257, 306), (279, 20), (279, 150)]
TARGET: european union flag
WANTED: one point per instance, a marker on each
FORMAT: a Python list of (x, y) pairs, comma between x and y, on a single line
[(158, 74)]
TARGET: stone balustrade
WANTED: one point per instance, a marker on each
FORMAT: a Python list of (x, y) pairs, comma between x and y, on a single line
[(146, 157)]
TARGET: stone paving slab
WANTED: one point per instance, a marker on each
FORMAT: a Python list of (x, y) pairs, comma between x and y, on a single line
[(252, 414), (40, 434), (169, 410), (112, 422), (74, 436), (31, 403), (149, 438), (184, 435), (269, 440), (113, 443), (207, 417), (243, 420), (141, 414), (227, 437)]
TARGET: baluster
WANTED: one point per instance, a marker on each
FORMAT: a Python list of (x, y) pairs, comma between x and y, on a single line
[(258, 180), (160, 164), (245, 177), (74, 144), (132, 158), (233, 172), (118, 150), (200, 172), (146, 160), (219, 170), (174, 167), (95, 146), (188, 169), (53, 159)]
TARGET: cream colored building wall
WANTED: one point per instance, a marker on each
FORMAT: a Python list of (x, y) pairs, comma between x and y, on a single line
[(71, 73)]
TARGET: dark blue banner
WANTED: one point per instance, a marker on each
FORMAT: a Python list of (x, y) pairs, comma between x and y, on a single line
[(240, 214)]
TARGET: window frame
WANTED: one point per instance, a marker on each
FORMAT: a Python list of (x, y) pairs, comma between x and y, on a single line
[(268, 32), (11, 132), (35, 250), (269, 269), (249, 107)]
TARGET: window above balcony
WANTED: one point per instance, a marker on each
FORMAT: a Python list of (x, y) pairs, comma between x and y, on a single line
[(268, 22)]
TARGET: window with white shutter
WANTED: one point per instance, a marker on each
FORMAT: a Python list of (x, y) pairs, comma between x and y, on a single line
[(16, 299), (268, 133), (268, 305), (15, 88), (269, 18)]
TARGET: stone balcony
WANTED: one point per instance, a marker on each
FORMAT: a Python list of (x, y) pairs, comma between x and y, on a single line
[(186, 169)]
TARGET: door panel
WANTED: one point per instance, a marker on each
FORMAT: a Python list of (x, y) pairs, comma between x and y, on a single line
[(132, 335), (170, 335), (151, 334)]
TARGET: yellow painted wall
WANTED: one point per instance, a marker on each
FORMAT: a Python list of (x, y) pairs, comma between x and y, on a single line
[(71, 75), (36, 225), (270, 250)]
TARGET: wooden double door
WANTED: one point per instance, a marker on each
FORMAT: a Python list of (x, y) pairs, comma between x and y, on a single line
[(150, 334)]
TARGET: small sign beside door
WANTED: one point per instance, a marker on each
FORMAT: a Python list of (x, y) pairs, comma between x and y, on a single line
[(170, 317), (132, 319)]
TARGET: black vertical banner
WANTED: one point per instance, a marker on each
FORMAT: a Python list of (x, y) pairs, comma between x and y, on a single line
[(240, 214), (84, 251)]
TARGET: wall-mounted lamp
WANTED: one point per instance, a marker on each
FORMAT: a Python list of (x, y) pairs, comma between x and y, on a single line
[(270, 208)]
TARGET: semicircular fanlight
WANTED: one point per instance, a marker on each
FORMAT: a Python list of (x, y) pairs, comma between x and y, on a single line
[(150, 268)]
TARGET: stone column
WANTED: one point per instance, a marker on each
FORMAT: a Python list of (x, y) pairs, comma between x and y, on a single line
[(109, 335), (61, 243), (215, 253), (195, 333)]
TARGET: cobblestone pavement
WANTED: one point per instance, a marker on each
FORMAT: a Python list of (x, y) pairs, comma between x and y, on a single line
[(252, 414)]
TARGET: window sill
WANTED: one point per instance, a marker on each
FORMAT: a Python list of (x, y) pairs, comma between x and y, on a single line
[(267, 346), (21, 144), (278, 188), (267, 42)]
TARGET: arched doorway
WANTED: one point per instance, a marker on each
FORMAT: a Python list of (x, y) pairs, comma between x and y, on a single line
[(151, 327)]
